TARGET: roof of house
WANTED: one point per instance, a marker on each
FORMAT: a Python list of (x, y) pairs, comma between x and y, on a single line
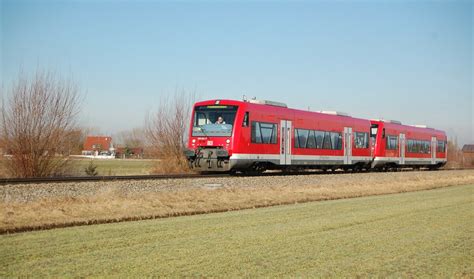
[(97, 143), (468, 148)]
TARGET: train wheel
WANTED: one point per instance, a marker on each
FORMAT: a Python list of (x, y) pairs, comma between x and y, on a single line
[(255, 169)]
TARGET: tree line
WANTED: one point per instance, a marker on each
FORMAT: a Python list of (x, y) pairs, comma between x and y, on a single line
[(39, 127)]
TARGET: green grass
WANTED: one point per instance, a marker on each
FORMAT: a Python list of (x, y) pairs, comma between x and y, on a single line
[(113, 167), (426, 233)]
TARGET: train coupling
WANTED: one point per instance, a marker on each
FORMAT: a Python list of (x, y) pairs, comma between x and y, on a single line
[(208, 159)]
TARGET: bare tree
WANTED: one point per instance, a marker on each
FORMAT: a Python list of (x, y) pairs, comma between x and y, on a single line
[(166, 132), (131, 138), (38, 123), (75, 144), (455, 157)]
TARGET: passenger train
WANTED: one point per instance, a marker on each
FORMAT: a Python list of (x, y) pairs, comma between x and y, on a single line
[(258, 135)]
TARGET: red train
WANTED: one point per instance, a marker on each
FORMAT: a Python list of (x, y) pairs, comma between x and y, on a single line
[(253, 136)]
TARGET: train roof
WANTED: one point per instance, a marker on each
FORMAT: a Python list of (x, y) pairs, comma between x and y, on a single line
[(329, 114), (412, 128), (277, 105)]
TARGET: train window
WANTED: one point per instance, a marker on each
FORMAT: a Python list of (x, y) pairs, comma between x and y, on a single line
[(336, 140), (373, 130), (256, 136), (361, 140), (200, 119), (317, 139), (268, 131), (422, 147), (419, 146), (245, 122), (263, 132), (297, 142), (319, 136), (327, 140), (214, 120), (428, 147), (440, 146), (302, 136), (311, 143), (392, 142)]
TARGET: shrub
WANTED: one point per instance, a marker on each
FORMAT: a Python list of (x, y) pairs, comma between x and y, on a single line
[(38, 124), (91, 169)]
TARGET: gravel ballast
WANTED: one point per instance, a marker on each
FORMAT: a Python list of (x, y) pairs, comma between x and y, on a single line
[(33, 192)]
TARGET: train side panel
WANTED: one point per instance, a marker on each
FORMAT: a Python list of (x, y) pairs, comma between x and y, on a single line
[(280, 137), (262, 136), (408, 146)]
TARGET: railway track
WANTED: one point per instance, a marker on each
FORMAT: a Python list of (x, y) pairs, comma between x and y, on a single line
[(7, 181)]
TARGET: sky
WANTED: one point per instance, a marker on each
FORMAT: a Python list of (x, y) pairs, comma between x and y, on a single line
[(410, 61)]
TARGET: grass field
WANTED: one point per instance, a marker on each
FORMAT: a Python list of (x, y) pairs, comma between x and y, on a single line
[(113, 167), (426, 233), (104, 167)]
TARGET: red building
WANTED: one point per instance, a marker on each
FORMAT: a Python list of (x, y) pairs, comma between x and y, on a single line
[(95, 145)]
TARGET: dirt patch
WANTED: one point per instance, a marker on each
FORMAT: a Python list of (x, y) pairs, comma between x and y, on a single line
[(40, 206)]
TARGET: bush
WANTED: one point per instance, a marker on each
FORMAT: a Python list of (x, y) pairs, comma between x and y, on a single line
[(166, 133), (91, 169), (38, 123)]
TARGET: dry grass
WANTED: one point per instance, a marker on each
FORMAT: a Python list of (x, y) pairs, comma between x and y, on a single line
[(170, 163), (3, 169), (425, 234), (111, 203)]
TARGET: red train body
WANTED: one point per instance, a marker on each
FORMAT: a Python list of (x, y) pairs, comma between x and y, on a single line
[(228, 135), (403, 145)]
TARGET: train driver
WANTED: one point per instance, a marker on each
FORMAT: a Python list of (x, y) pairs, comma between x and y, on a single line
[(220, 120)]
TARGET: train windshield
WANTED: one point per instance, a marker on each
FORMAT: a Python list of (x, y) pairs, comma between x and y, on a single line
[(214, 120)]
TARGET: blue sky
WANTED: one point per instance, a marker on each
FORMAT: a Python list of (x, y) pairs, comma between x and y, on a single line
[(405, 60)]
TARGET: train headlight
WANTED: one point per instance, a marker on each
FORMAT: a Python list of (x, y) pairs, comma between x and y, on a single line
[(193, 141), (227, 141)]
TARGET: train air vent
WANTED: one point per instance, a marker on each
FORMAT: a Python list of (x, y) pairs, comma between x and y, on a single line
[(268, 103), (421, 126), (390, 121), (334, 112)]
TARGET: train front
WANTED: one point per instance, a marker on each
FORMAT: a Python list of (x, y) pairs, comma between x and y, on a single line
[(211, 135)]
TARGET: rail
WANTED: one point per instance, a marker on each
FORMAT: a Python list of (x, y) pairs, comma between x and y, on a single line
[(37, 180), (66, 179)]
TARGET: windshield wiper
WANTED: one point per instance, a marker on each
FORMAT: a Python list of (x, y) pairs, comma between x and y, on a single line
[(202, 130)]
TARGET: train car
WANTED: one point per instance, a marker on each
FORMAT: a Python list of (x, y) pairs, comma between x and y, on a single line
[(255, 135), (415, 146)]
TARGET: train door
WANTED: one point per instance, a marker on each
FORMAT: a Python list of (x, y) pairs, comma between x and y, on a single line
[(402, 149), (285, 142), (433, 150), (347, 145)]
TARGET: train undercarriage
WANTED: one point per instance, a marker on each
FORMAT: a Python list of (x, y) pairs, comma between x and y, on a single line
[(217, 160)]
